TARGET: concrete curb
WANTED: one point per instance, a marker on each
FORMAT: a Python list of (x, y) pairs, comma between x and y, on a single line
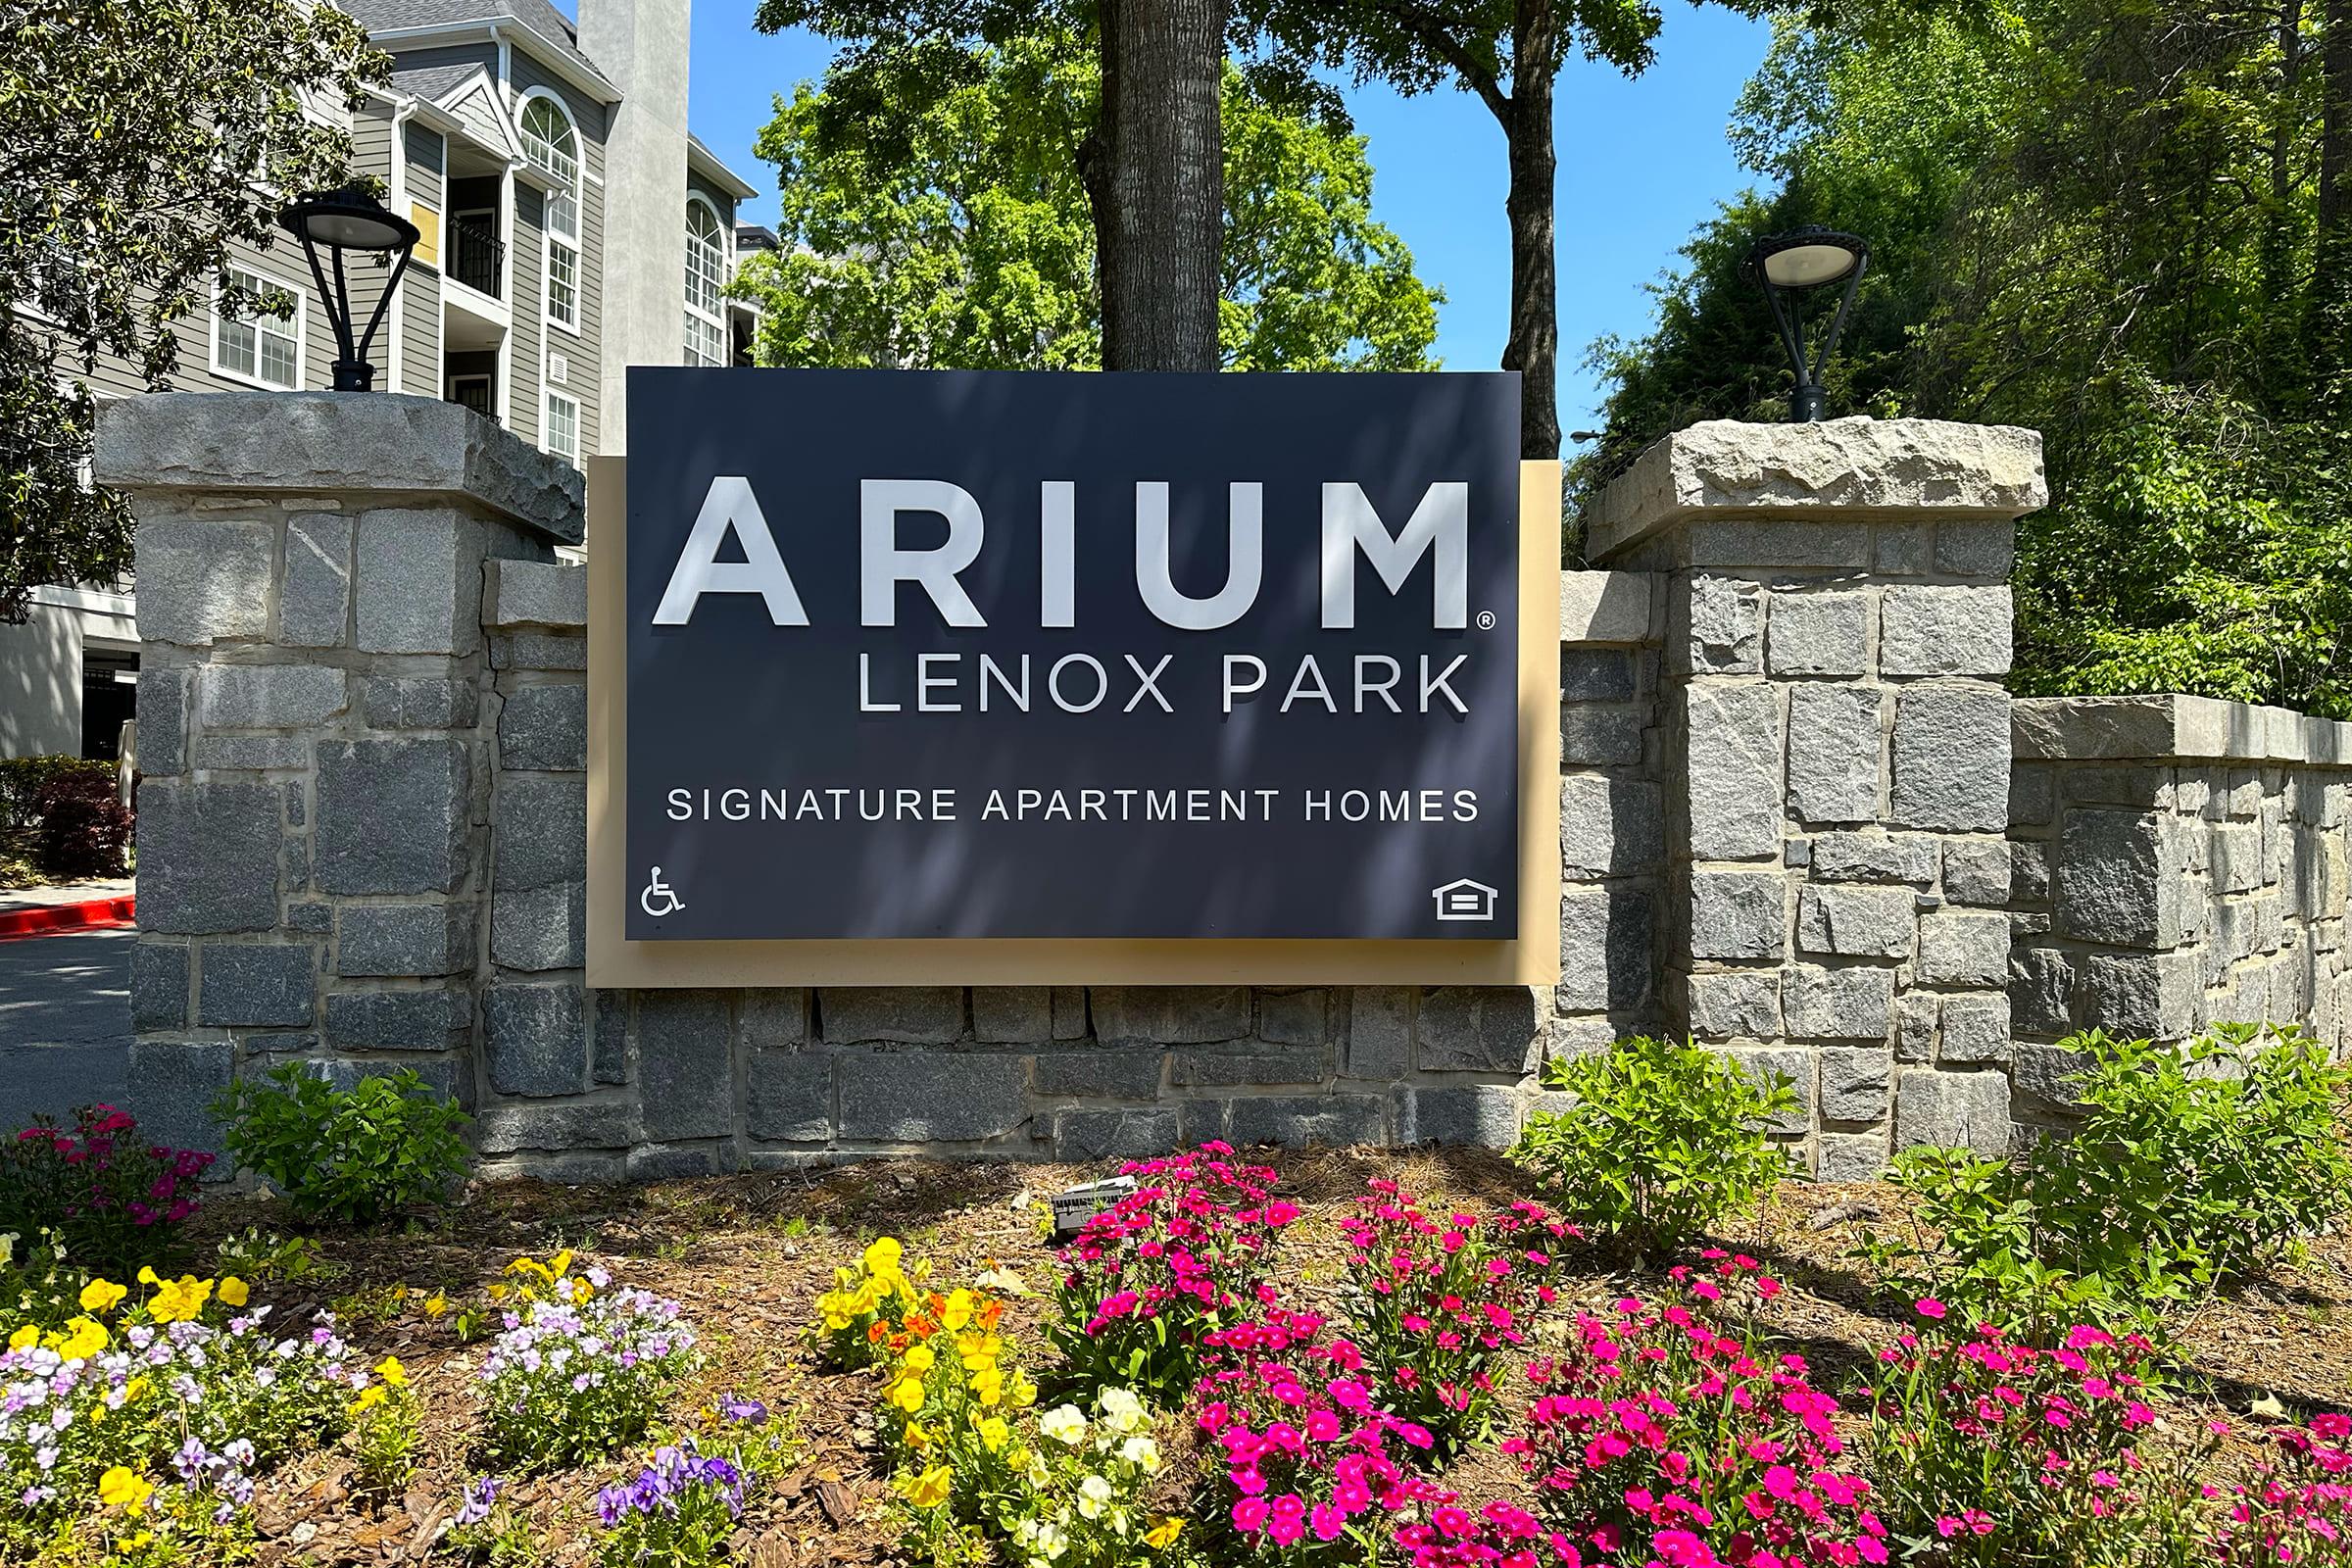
[(50, 919)]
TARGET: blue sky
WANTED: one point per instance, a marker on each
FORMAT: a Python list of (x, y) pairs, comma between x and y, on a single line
[(1640, 162)]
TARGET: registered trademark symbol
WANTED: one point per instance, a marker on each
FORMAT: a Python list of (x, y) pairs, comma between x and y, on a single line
[(1485, 620)]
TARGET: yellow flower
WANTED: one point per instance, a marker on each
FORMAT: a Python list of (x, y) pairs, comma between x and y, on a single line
[(988, 1384), (25, 1338), (369, 1398), (979, 1350), (993, 1432), (435, 1304), (84, 1338), (908, 1394), (930, 1488), (392, 1372), (881, 1259), (919, 1359), (1019, 1392), (120, 1488), (135, 1541), (147, 1277), (235, 1291), (100, 1296), (180, 1299), (1163, 1533), (957, 1311), (582, 1291), (919, 1436), (136, 1388)]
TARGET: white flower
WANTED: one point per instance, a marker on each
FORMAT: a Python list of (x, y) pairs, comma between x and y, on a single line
[(1064, 1424), (1094, 1496), (8, 1248), (1123, 1410), (1143, 1453)]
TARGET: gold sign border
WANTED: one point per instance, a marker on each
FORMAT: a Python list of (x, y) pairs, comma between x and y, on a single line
[(1534, 959)]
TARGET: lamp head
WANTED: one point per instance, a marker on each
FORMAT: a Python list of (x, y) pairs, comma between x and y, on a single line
[(1787, 266), (347, 219)]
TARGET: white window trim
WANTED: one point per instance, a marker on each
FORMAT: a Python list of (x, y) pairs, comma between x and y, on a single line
[(726, 270), (547, 238), (548, 398), (300, 325)]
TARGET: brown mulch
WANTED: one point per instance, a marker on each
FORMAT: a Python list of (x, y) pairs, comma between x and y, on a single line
[(748, 1255)]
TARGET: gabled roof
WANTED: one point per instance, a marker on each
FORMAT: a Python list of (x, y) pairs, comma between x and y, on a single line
[(701, 159), (386, 20)]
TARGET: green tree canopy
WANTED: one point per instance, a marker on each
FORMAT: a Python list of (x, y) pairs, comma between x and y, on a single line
[(2107, 222), (137, 141), (958, 236)]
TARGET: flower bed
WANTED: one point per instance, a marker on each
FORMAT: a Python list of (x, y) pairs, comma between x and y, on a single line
[(853, 1369)]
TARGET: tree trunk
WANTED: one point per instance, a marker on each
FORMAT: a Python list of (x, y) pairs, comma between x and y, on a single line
[(1534, 349), (2336, 119), (2281, 350), (2331, 263), (1154, 174)]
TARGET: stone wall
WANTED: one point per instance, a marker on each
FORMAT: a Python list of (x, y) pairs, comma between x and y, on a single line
[(585, 1084), (1790, 825), (364, 846), (2178, 862)]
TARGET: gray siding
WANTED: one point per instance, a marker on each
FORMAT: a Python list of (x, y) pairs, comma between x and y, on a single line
[(429, 161), (527, 255)]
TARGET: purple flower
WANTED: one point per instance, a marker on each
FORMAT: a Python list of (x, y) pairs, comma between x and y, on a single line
[(483, 1492), (742, 1411)]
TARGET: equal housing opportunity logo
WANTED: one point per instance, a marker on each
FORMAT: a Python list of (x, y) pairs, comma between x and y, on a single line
[(1046, 655)]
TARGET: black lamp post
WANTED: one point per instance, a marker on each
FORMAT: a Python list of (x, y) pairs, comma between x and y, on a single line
[(350, 220), (1788, 267)]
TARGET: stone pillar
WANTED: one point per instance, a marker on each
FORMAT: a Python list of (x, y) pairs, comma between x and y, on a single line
[(1837, 761), (314, 731)]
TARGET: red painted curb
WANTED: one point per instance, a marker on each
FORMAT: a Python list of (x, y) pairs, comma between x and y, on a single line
[(48, 919)]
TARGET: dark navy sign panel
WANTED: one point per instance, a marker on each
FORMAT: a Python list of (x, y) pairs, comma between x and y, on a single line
[(995, 653)]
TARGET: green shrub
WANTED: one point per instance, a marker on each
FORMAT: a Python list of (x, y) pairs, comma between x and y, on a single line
[(353, 1155), (2191, 1164), (1664, 1141), (22, 778)]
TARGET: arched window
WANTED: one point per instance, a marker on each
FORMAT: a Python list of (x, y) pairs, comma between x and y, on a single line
[(706, 276), (552, 147)]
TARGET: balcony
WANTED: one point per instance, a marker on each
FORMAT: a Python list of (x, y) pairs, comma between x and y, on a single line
[(478, 257)]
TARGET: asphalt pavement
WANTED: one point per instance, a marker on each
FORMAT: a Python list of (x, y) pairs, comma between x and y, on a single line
[(65, 1022)]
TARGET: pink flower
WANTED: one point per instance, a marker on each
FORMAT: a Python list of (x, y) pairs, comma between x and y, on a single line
[(1929, 1307)]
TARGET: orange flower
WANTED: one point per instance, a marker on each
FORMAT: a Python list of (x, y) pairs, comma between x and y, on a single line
[(921, 1326), (987, 1316), (876, 1331)]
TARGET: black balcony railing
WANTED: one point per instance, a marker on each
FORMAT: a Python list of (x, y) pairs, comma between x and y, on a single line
[(478, 257)]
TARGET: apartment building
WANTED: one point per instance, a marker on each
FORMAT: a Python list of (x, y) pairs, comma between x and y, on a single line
[(571, 226)]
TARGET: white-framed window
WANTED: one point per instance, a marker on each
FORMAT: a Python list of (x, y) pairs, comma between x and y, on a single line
[(260, 350), (559, 427), (552, 147), (706, 276)]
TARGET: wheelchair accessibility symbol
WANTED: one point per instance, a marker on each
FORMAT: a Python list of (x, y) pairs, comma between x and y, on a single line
[(657, 900)]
